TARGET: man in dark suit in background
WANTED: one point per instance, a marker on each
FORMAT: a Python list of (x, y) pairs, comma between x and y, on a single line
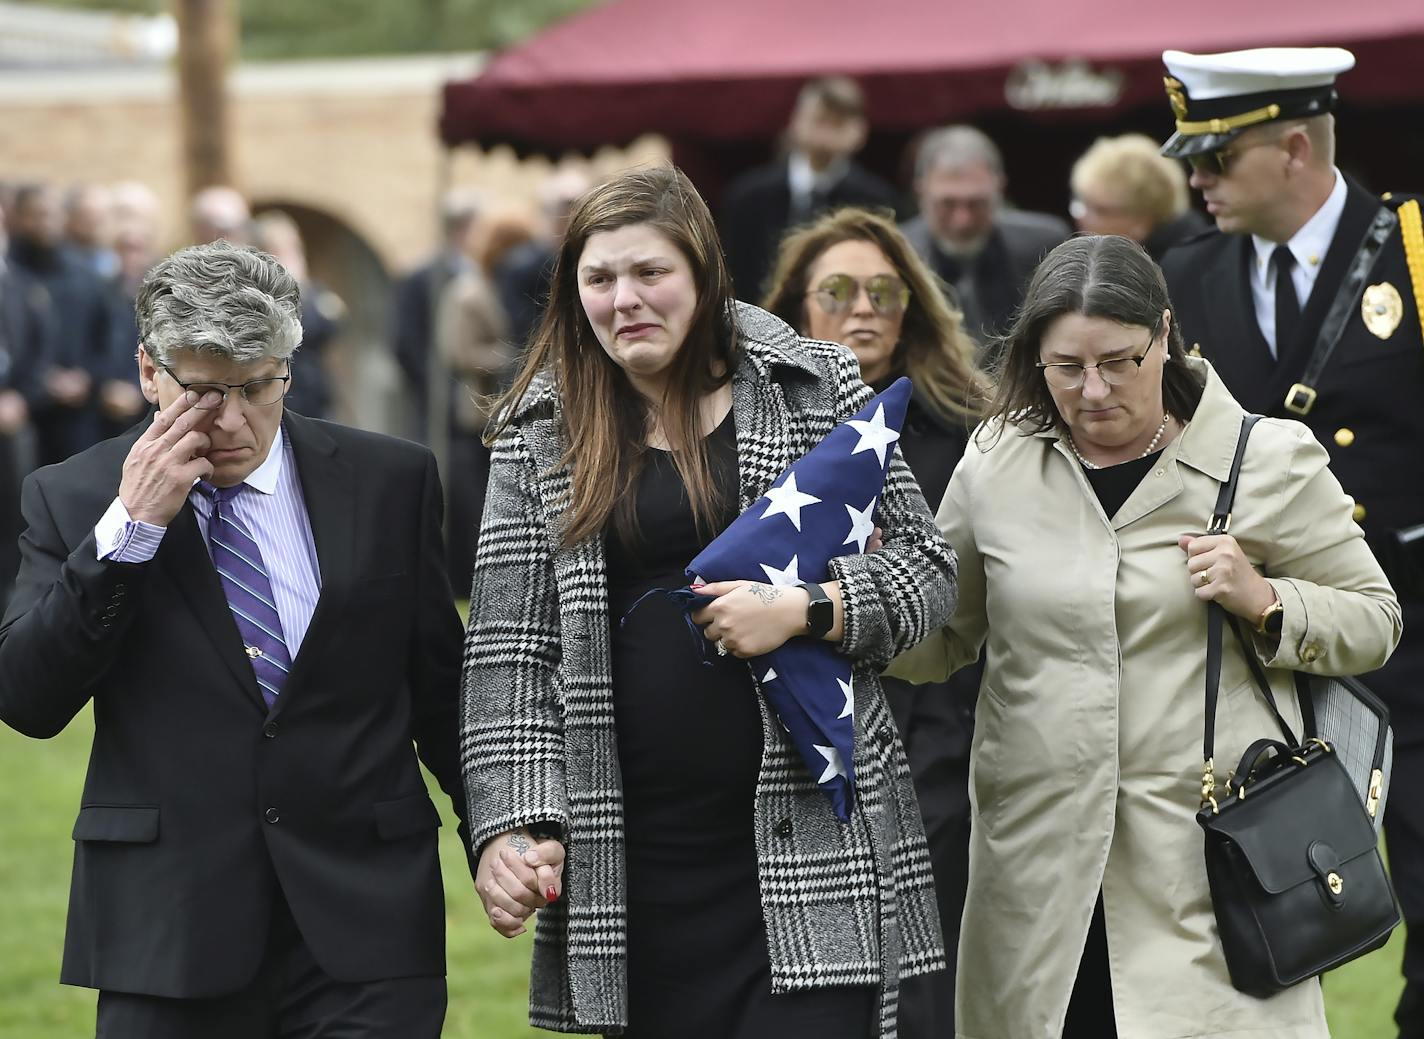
[(1305, 301), (828, 127), (256, 605), (76, 358), (417, 298), (982, 250)]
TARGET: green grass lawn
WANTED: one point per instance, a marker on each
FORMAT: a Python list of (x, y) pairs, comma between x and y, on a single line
[(488, 975)]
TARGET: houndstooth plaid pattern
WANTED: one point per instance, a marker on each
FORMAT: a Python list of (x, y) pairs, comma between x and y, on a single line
[(843, 904)]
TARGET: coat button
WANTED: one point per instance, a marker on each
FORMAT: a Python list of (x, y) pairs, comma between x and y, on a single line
[(1311, 653), (1358, 514), (1344, 437), (270, 730), (783, 828), (271, 815)]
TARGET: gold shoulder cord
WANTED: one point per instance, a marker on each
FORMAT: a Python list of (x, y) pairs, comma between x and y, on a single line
[(1411, 228)]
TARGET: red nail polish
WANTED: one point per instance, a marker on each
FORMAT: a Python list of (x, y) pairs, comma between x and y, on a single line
[(551, 894)]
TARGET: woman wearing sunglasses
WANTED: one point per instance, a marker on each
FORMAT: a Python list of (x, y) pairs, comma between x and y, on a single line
[(852, 278)]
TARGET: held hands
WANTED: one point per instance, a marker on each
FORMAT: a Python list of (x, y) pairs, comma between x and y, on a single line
[(165, 460), (750, 618), (518, 874), (1221, 573)]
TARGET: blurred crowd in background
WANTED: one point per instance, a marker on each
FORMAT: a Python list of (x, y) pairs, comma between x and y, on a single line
[(72, 257)]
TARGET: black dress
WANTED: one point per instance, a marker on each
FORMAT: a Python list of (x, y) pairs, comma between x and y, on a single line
[(1090, 1011), (689, 748)]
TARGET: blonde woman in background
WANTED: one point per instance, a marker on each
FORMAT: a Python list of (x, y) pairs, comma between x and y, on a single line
[(1124, 186)]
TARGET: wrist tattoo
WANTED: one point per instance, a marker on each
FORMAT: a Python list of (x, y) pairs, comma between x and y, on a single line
[(519, 842), (768, 594)]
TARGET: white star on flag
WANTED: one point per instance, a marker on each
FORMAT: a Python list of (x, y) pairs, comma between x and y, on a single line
[(848, 691), (787, 501), (788, 578), (834, 765), (861, 525), (874, 435)]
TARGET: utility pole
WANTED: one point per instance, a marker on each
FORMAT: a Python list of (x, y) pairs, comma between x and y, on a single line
[(207, 31)]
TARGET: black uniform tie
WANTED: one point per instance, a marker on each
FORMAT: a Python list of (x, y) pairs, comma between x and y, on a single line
[(1287, 304)]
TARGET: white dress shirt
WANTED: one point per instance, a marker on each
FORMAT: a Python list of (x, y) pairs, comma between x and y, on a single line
[(1308, 248)]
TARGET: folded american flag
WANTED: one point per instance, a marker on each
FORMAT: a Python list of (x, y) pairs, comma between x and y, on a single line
[(818, 509)]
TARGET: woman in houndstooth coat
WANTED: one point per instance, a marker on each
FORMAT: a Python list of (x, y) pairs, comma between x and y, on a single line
[(689, 874)]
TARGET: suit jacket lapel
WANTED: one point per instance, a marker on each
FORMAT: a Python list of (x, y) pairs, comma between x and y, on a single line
[(187, 564), (329, 490), (1235, 345)]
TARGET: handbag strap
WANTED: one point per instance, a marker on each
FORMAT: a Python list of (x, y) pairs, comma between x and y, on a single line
[(1216, 619)]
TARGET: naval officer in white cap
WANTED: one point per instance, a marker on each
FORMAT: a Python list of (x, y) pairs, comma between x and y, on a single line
[(1306, 299)]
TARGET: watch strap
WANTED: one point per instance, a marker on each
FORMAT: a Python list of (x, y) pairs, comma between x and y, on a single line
[(818, 595)]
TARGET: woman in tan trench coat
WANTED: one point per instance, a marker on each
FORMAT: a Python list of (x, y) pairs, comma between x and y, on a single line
[(1073, 513)]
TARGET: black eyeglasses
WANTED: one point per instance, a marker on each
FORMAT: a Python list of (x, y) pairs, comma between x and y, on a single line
[(888, 295), (1069, 375), (262, 392)]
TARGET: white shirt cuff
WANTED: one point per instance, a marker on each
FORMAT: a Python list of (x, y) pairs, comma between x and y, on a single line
[(122, 539)]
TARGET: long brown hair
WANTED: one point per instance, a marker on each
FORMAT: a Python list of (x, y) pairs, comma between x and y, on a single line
[(1105, 276), (934, 350), (605, 420)]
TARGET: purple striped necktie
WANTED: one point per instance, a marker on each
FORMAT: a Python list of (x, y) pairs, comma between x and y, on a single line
[(249, 591)]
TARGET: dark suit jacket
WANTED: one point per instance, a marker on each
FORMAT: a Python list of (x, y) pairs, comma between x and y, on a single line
[(413, 330), (757, 211), (1370, 411), (200, 804), (1001, 270)]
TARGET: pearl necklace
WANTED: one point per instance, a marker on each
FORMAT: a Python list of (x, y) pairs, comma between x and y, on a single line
[(1152, 446)]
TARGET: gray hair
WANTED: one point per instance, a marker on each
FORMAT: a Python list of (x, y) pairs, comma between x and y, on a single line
[(955, 147), (233, 301)]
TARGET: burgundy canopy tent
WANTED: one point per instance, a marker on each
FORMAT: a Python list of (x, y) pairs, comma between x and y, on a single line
[(717, 77)]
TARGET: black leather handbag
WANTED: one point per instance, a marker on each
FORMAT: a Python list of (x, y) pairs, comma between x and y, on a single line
[(1296, 878)]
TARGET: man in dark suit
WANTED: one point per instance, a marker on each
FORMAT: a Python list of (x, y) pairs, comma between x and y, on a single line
[(983, 251), (418, 295), (255, 603), (828, 127), (76, 358), (1305, 266), (23, 336)]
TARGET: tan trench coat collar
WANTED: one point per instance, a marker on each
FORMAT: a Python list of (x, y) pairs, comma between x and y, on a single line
[(1207, 444)]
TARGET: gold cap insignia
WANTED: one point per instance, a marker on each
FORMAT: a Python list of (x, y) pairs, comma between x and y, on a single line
[(1176, 96), (1382, 309)]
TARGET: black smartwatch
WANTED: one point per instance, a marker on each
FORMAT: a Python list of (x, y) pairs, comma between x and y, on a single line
[(820, 613)]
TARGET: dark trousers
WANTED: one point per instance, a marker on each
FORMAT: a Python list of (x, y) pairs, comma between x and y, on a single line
[(291, 998), (827, 1013), (1404, 837), (1090, 1011), (927, 1000), (936, 724)]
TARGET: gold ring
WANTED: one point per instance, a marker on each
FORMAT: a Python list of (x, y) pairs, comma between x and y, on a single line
[(721, 648), (1206, 577)]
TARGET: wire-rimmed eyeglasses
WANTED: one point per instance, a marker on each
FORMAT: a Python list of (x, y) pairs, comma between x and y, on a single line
[(261, 392)]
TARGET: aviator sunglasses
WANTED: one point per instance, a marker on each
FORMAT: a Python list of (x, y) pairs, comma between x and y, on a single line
[(888, 295)]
